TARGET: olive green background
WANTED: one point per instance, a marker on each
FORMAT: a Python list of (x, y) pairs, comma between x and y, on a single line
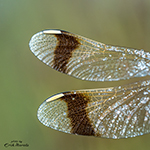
[(25, 82)]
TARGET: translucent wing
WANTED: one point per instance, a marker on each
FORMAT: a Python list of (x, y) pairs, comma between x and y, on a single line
[(86, 59), (117, 112)]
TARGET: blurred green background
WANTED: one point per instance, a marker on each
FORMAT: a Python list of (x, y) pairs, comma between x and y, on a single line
[(25, 82)]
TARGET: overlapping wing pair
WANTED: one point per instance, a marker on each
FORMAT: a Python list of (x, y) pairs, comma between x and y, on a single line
[(116, 112)]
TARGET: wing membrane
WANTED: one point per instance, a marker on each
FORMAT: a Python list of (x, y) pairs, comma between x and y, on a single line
[(116, 112), (88, 59)]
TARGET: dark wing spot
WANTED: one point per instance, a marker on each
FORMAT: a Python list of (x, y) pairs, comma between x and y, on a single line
[(63, 52), (80, 122)]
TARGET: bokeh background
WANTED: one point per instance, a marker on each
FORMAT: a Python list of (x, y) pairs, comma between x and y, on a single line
[(25, 82)]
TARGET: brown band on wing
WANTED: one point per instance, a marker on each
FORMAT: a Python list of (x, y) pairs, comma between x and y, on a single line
[(63, 52), (80, 122)]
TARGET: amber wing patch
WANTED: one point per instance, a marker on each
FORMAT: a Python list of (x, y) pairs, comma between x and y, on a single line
[(77, 104), (63, 51)]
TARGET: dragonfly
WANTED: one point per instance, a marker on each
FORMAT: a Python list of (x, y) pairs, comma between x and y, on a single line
[(113, 112)]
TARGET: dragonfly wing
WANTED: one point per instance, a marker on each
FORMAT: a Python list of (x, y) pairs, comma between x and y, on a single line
[(117, 112), (86, 59)]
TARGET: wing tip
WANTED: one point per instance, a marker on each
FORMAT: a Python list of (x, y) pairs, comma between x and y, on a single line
[(54, 97), (52, 31)]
